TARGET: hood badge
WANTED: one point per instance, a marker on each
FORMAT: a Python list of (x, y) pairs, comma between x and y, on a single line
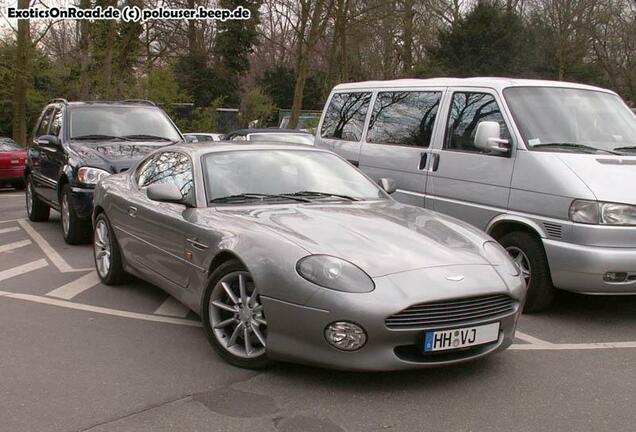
[(455, 278)]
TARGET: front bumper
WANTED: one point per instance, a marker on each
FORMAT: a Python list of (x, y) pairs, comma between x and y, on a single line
[(581, 268), (82, 201), (296, 332)]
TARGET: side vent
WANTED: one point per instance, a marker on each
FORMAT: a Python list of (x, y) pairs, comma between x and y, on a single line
[(553, 230)]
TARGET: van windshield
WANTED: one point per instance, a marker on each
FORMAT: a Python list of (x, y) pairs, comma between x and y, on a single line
[(566, 119)]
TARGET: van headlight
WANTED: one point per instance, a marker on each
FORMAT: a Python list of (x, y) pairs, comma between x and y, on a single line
[(604, 213), (334, 273), (91, 176)]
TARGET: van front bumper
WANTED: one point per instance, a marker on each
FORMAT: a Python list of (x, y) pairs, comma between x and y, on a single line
[(581, 268), (82, 202)]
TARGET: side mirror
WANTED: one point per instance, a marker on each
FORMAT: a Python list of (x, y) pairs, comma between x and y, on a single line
[(388, 185), (48, 141), (488, 138), (164, 192)]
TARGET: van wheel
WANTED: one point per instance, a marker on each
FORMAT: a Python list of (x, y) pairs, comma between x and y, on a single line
[(527, 251), (37, 211), (76, 231)]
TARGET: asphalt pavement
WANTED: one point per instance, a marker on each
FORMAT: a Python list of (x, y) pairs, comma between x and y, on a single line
[(76, 355)]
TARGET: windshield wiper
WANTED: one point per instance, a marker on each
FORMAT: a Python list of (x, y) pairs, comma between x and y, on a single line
[(573, 146), (628, 148), (99, 137), (254, 196), (147, 137), (321, 195)]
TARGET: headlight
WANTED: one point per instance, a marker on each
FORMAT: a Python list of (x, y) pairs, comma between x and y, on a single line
[(334, 273), (498, 257), (594, 212), (88, 175)]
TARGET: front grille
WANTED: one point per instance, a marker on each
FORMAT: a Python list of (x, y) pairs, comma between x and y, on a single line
[(451, 312)]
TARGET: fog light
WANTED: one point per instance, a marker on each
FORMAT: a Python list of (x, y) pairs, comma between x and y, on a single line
[(615, 277), (345, 336)]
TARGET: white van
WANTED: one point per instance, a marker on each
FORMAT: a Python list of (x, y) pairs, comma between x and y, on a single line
[(547, 168)]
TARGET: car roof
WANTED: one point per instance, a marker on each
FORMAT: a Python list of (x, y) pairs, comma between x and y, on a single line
[(98, 104), (496, 83), (198, 149)]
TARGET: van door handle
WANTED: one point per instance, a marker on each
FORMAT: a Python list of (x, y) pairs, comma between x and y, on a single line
[(423, 158), (435, 162), (132, 211)]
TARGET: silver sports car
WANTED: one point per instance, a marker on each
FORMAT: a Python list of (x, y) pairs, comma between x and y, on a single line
[(290, 253)]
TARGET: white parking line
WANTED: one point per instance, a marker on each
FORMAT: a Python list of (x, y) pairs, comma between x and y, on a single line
[(6, 230), (14, 245), (9, 220), (11, 195), (98, 309), (572, 346), (76, 287), (48, 250), (172, 307), (530, 339), (22, 269)]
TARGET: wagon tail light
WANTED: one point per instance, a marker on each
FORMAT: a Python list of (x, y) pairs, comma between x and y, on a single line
[(602, 213)]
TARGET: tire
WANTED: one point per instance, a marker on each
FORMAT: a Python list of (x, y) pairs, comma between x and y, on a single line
[(521, 246), (76, 231), (37, 211), (221, 325), (20, 185), (106, 253)]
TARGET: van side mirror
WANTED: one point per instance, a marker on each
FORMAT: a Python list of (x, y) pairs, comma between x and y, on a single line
[(488, 138), (48, 141), (388, 185), (164, 192)]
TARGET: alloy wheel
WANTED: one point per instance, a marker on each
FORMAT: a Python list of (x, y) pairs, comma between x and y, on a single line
[(236, 316), (66, 214), (522, 261), (103, 249)]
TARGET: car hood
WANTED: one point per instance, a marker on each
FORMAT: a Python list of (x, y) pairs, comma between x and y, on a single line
[(114, 156), (380, 237), (610, 178)]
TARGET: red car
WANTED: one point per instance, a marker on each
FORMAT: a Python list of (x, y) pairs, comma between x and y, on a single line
[(12, 157)]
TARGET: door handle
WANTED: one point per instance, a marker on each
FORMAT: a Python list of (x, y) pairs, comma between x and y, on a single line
[(132, 211), (196, 244), (423, 158), (435, 162)]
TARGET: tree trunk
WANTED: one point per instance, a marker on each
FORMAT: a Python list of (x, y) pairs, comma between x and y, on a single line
[(407, 35), (22, 78), (84, 47)]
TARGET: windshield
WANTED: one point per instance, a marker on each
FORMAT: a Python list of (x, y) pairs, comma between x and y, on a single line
[(571, 118), (280, 172), (131, 122)]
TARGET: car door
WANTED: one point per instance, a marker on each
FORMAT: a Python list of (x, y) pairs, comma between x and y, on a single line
[(157, 231), (40, 156), (398, 138), (464, 181), (343, 123), (55, 155)]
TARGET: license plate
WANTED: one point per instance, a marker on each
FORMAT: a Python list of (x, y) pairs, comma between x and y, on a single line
[(441, 340)]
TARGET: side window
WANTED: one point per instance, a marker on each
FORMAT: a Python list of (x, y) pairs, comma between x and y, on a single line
[(404, 118), (43, 127), (345, 116), (56, 123), (467, 110), (167, 167)]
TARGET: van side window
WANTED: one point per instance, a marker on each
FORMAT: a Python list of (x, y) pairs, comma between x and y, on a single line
[(345, 116), (404, 118), (467, 111), (43, 127)]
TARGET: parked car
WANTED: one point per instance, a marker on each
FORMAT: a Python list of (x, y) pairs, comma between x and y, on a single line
[(293, 136), (75, 144), (12, 156), (202, 137), (546, 168), (316, 264)]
